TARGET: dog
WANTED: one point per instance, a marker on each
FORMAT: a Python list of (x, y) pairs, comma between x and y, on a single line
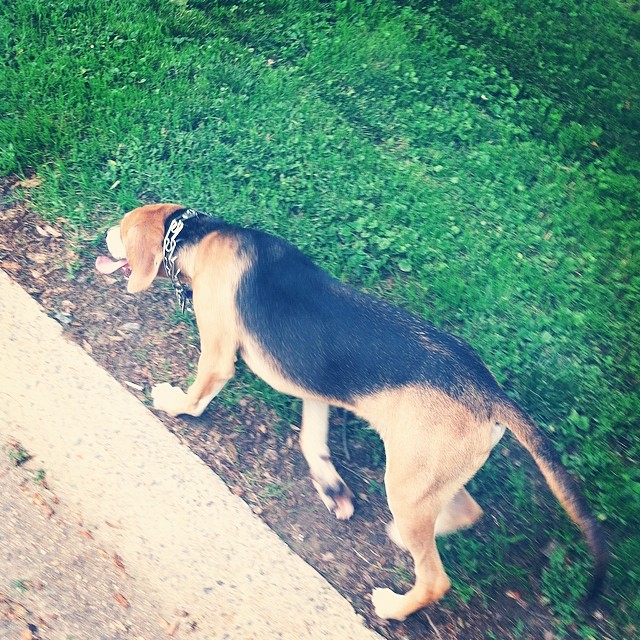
[(437, 408)]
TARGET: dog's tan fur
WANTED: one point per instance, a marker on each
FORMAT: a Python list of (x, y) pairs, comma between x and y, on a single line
[(434, 442)]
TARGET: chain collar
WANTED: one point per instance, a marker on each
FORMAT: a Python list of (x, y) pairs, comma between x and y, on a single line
[(169, 244)]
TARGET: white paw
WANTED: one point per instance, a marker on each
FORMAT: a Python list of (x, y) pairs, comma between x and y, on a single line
[(340, 503), (169, 399), (344, 508), (387, 604)]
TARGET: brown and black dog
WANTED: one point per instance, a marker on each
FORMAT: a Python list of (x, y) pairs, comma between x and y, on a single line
[(437, 408)]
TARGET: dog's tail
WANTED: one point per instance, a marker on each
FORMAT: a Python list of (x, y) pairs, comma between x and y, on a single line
[(563, 486)]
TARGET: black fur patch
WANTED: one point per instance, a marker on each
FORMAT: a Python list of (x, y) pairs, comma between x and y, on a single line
[(340, 343), (195, 229)]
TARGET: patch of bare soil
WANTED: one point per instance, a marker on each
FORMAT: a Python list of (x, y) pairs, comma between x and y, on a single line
[(141, 342)]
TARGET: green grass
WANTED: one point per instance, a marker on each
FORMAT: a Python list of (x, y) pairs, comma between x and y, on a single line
[(18, 455), (475, 162), (20, 585)]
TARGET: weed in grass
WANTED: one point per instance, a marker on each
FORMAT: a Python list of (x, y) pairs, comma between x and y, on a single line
[(274, 491), (141, 354), (368, 441), (401, 574), (563, 586), (462, 588), (375, 487), (187, 317), (519, 630), (20, 585), (18, 455), (240, 427)]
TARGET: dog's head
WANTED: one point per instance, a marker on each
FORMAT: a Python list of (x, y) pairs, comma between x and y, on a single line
[(136, 245)]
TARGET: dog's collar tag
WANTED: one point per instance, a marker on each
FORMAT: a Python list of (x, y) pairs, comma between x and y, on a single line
[(169, 244)]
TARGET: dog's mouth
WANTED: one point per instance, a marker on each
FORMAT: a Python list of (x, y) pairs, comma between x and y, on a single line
[(107, 266)]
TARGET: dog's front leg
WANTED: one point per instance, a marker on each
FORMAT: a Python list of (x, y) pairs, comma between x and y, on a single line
[(215, 368), (313, 441)]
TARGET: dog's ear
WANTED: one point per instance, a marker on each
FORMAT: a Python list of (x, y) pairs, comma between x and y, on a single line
[(143, 244), (142, 233)]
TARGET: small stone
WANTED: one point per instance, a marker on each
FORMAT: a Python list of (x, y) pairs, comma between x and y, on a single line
[(130, 326), (63, 318)]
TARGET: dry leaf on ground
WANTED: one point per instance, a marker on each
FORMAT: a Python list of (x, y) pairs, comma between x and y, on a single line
[(121, 600)]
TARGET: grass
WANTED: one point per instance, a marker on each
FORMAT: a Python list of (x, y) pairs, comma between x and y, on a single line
[(20, 585), (39, 477), (274, 490), (475, 162), (18, 455)]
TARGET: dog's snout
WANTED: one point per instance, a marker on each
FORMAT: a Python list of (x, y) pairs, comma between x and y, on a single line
[(114, 243)]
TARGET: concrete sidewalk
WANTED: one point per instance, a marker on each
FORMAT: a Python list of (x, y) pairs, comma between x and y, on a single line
[(186, 540)]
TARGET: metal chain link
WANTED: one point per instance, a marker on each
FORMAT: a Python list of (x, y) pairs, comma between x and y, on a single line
[(169, 244)]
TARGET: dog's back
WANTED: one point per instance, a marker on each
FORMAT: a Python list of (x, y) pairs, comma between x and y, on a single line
[(340, 343)]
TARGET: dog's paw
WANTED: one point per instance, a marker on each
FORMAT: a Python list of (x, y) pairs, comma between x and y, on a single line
[(169, 399), (343, 501), (387, 604), (337, 499)]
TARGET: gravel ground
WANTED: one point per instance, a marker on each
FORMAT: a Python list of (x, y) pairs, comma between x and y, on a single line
[(56, 581)]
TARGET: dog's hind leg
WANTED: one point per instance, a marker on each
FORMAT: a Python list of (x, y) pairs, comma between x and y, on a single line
[(425, 480), (415, 515), (313, 441), (460, 512)]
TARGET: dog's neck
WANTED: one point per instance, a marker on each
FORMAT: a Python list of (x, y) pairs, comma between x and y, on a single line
[(183, 229)]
